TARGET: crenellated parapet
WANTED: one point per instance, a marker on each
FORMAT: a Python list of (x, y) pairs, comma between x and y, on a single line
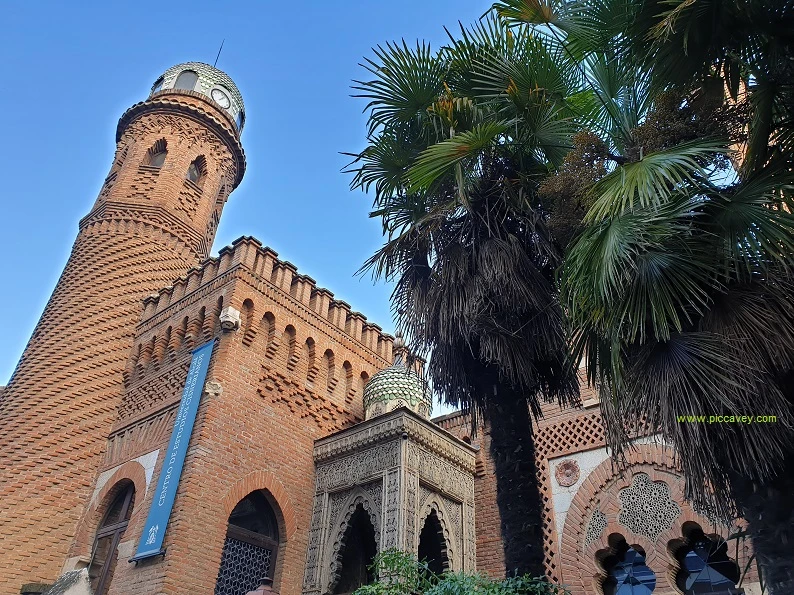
[(261, 262), (312, 352)]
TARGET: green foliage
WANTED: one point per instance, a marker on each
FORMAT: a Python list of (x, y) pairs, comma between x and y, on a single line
[(399, 573)]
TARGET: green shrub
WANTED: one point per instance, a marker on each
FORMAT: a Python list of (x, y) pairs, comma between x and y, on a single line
[(399, 573)]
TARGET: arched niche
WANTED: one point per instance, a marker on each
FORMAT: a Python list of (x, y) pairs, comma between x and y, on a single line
[(358, 529), (359, 547), (432, 545)]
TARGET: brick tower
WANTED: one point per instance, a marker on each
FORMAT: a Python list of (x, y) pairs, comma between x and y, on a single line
[(178, 157)]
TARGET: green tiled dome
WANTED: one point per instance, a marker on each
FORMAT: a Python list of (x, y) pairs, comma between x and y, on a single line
[(397, 386)]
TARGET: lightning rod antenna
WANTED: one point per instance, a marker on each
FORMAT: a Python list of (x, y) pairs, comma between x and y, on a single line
[(219, 54)]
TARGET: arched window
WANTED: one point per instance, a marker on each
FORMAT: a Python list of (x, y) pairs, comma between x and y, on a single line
[(240, 120), (108, 536), (155, 156), (197, 170), (432, 545), (186, 80), (628, 574), (704, 562), (249, 552), (359, 549), (157, 85)]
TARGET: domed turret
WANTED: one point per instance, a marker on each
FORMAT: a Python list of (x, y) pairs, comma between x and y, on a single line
[(206, 80), (397, 386)]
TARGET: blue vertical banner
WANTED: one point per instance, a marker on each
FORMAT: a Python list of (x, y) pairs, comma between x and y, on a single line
[(151, 541)]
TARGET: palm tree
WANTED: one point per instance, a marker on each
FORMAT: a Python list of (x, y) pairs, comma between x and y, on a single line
[(679, 290), (459, 142)]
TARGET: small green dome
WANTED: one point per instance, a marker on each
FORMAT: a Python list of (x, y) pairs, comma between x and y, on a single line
[(397, 386)]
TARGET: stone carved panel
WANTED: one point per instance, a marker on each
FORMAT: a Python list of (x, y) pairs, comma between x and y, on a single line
[(335, 503), (454, 514), (470, 552), (439, 472), (438, 503), (409, 510), (330, 517), (355, 468), (311, 578), (454, 510), (360, 497), (424, 493), (395, 424), (374, 492), (392, 521)]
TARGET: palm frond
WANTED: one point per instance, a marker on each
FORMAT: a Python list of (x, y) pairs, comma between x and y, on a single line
[(653, 179), (407, 81), (440, 158), (383, 163), (639, 273), (568, 18), (755, 221)]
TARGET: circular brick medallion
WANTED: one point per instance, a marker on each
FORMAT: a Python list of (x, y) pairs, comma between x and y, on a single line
[(567, 473)]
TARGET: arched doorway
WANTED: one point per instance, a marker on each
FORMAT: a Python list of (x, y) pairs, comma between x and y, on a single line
[(108, 536), (358, 551), (249, 552), (432, 545)]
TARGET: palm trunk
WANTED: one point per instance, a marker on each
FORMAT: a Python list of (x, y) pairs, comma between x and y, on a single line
[(517, 490), (769, 512)]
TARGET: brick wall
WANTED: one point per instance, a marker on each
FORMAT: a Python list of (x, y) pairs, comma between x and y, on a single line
[(289, 375), (490, 552)]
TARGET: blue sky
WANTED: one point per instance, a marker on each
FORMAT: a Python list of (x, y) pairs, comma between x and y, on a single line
[(70, 69)]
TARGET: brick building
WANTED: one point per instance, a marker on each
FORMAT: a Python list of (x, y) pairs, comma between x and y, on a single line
[(288, 479)]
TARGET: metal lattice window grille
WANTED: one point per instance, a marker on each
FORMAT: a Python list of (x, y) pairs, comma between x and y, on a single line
[(249, 553), (244, 565)]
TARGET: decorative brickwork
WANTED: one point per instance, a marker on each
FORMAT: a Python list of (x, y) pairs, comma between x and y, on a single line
[(59, 406), (259, 416)]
